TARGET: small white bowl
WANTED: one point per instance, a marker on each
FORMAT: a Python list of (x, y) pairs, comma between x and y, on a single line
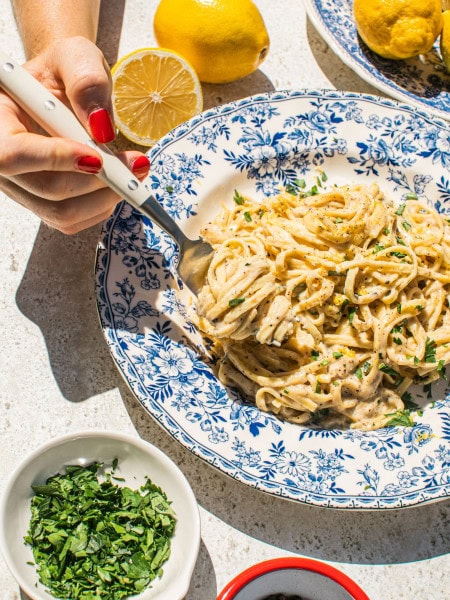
[(294, 577), (137, 460)]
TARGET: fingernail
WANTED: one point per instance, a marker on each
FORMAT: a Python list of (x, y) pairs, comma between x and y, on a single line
[(101, 125), (140, 166), (89, 164)]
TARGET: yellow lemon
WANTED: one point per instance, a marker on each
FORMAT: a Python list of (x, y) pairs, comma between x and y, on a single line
[(445, 40), (154, 90), (224, 40), (398, 29)]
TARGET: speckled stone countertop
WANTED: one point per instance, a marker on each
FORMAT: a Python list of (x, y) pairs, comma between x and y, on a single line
[(57, 375)]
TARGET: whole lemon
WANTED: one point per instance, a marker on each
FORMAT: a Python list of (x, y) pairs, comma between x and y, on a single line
[(223, 40), (398, 29), (445, 40)]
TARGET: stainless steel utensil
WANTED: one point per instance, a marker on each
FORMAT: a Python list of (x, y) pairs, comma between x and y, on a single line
[(57, 119)]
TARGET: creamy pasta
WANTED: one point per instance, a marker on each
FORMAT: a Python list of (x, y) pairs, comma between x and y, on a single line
[(326, 307)]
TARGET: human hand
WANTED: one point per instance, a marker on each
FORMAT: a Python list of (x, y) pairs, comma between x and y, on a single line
[(53, 176)]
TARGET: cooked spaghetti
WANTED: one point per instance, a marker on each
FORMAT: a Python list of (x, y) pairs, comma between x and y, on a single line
[(326, 307)]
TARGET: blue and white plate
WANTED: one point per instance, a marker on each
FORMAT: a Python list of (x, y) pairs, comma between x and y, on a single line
[(421, 81), (256, 145)]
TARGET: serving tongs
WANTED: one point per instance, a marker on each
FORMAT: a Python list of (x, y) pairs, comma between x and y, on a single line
[(57, 119)]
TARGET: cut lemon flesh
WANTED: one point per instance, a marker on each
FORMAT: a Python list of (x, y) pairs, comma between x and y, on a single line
[(154, 90)]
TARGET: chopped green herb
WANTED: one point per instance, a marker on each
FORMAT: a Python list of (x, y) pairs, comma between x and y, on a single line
[(411, 196), (441, 369), (247, 216), (351, 313), (378, 247), (301, 183), (169, 189), (92, 539), (397, 341), (337, 354), (291, 189), (406, 226), (238, 198), (400, 241), (409, 404), (366, 367), (359, 373), (398, 254), (315, 354), (400, 209), (339, 220), (235, 302), (400, 418), (430, 351), (388, 370)]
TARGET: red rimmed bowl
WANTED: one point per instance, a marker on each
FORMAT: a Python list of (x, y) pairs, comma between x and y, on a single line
[(294, 577)]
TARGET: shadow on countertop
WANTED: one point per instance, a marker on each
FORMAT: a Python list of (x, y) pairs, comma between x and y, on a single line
[(336, 71), (57, 294)]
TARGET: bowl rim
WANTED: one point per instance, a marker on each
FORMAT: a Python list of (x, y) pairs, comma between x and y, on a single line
[(292, 562), (184, 579)]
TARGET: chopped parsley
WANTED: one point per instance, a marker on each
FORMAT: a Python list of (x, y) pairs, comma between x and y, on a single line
[(441, 369), (400, 209), (400, 418), (93, 539), (351, 313), (238, 198), (235, 302), (315, 354), (430, 351)]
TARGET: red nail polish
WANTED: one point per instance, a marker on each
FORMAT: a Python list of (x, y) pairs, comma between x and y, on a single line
[(101, 126), (140, 166), (89, 164)]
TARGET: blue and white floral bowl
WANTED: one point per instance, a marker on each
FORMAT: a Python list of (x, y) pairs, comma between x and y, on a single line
[(256, 145), (422, 81)]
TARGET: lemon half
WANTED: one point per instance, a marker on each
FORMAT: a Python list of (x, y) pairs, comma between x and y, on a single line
[(154, 90)]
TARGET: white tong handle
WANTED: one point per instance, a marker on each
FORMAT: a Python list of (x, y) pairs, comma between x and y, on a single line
[(57, 119)]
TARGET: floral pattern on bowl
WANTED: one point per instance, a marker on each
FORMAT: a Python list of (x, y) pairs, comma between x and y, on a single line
[(421, 81), (256, 145)]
